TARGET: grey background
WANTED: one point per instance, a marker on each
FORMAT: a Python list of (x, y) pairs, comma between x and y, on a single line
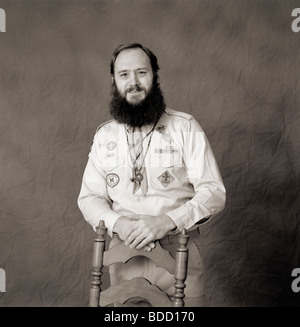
[(232, 64)]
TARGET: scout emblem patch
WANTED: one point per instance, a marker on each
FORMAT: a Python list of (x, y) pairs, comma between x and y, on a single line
[(166, 178), (112, 180), (111, 145)]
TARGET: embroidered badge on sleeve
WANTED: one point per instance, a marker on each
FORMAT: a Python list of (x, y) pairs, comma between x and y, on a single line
[(112, 180), (111, 145)]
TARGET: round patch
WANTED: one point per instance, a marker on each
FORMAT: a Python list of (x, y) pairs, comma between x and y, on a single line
[(112, 180), (111, 145)]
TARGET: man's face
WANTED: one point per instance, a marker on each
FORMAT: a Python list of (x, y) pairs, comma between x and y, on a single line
[(133, 75)]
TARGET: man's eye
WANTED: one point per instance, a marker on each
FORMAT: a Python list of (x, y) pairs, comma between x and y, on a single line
[(142, 73), (123, 75)]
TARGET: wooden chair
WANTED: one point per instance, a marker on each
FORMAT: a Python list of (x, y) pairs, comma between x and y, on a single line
[(137, 287)]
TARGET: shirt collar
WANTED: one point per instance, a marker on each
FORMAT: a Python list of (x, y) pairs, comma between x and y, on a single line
[(161, 124)]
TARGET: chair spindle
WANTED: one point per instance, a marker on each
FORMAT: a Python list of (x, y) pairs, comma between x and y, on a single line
[(181, 269), (99, 247)]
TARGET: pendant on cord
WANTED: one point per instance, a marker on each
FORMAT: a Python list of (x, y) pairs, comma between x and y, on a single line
[(136, 175)]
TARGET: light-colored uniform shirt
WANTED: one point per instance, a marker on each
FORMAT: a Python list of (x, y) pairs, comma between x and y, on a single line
[(182, 175)]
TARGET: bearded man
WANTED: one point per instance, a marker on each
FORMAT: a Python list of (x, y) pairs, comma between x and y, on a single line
[(150, 174)]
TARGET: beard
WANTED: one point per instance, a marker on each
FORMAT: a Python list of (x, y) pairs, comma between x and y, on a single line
[(146, 112)]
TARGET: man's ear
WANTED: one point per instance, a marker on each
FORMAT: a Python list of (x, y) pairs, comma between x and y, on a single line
[(112, 80)]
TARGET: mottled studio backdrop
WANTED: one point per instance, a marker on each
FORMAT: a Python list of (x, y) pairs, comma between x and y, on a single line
[(233, 64)]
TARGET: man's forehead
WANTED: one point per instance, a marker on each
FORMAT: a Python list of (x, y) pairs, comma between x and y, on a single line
[(132, 59)]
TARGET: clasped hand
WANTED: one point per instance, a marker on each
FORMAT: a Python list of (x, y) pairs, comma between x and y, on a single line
[(143, 232)]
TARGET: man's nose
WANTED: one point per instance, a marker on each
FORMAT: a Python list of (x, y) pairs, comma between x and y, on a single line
[(134, 80)]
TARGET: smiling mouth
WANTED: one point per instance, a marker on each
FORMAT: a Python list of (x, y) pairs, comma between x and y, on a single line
[(135, 95), (135, 90)]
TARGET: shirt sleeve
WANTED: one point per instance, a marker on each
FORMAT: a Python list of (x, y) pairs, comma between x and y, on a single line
[(93, 200), (203, 173)]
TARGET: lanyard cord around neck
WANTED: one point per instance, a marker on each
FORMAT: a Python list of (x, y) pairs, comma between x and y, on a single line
[(140, 147)]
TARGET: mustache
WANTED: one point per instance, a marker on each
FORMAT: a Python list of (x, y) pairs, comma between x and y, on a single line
[(135, 88)]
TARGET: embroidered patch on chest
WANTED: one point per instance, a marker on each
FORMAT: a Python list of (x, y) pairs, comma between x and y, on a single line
[(111, 145), (166, 178), (112, 180)]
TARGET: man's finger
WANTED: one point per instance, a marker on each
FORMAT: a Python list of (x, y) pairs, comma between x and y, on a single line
[(152, 245), (137, 241), (147, 248), (146, 241), (132, 236)]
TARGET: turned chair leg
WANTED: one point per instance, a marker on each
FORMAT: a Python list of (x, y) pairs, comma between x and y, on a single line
[(181, 269), (99, 247)]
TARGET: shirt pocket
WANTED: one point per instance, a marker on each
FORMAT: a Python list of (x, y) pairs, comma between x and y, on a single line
[(166, 171)]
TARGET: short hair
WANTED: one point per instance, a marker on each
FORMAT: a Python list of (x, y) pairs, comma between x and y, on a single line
[(121, 47)]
